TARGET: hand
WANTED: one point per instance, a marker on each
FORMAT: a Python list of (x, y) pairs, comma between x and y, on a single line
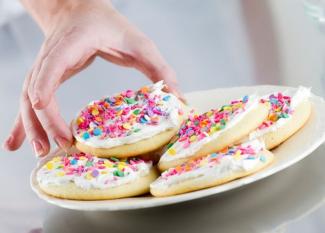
[(75, 33)]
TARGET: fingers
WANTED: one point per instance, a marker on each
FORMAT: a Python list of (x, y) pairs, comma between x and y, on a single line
[(54, 125), (34, 131), (17, 135)]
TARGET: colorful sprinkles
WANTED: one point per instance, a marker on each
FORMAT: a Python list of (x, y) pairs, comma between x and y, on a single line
[(123, 114), (90, 167), (280, 108), (237, 152), (197, 127)]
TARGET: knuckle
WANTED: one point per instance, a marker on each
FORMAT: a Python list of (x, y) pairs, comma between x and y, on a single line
[(24, 98)]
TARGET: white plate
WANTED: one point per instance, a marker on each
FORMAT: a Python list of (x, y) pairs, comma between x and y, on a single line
[(300, 145)]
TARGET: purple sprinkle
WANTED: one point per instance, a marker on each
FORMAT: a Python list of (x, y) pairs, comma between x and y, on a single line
[(94, 173)]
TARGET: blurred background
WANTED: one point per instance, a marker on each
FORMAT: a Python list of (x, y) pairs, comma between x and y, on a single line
[(210, 44)]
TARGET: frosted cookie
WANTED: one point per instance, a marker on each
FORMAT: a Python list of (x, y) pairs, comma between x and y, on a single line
[(289, 111), (213, 169), (212, 131), (128, 124), (84, 177)]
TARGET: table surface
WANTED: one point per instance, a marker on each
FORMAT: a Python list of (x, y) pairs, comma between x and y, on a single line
[(210, 45)]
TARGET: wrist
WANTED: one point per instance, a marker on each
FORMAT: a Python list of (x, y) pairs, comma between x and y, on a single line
[(47, 12)]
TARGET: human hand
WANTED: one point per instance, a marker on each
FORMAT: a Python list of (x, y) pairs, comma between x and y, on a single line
[(75, 33)]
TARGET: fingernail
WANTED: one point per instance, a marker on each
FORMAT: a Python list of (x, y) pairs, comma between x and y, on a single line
[(62, 143), (38, 148), (6, 144)]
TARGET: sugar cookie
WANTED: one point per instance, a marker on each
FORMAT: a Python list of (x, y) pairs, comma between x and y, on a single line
[(83, 177), (212, 131), (128, 124), (214, 169), (289, 111)]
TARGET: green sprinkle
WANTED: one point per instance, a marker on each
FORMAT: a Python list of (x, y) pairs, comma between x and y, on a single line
[(129, 100), (89, 164), (284, 115), (222, 126), (118, 173), (170, 145), (136, 130), (136, 112), (114, 159), (223, 122)]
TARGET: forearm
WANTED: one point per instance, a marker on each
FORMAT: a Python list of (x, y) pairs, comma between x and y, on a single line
[(44, 11)]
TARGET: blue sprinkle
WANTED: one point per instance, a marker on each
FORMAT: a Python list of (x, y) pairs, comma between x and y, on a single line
[(143, 120), (97, 131), (245, 98), (263, 159), (73, 162), (213, 155), (166, 98), (86, 135)]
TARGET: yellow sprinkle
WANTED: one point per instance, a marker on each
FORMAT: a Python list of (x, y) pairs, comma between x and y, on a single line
[(237, 155), (82, 158), (103, 172), (227, 108), (80, 120), (126, 126), (88, 176), (209, 113), (108, 164), (49, 165), (171, 151), (120, 166), (95, 112), (60, 173), (192, 138), (213, 129)]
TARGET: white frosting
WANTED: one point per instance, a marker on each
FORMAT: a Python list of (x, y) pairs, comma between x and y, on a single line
[(227, 166), (197, 145), (297, 96), (171, 106), (49, 177)]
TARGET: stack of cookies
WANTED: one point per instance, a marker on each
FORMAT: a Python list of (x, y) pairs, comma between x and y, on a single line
[(146, 140)]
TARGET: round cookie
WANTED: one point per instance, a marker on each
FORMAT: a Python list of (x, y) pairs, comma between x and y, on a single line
[(83, 177), (212, 170), (128, 124), (289, 111), (214, 130)]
